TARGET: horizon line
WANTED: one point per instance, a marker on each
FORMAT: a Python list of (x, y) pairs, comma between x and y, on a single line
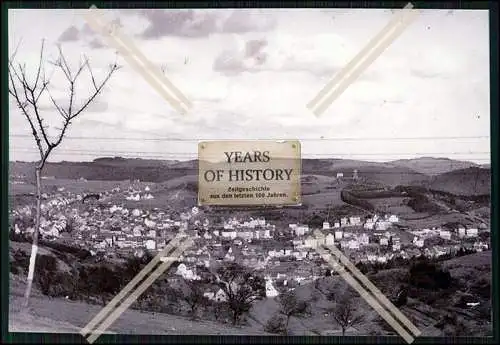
[(183, 159)]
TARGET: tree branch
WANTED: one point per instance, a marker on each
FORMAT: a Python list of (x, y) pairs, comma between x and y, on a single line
[(32, 91), (22, 105), (98, 89)]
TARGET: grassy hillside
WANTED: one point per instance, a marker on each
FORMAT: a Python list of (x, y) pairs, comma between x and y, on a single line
[(159, 170), (435, 311), (470, 181), (56, 315), (439, 174), (433, 166)]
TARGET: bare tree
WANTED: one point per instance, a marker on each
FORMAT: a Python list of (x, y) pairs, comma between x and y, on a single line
[(241, 287), (345, 314), (27, 93), (292, 306)]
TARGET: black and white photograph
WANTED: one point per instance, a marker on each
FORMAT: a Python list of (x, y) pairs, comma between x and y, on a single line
[(387, 232)]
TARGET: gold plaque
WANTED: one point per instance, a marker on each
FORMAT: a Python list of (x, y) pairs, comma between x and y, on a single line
[(245, 173)]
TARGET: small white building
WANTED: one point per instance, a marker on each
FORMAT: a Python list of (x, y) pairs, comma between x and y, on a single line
[(271, 291), (364, 239), (229, 234), (472, 232), (369, 224), (353, 244), (311, 243), (461, 232), (148, 196), (186, 273), (326, 225), (355, 221), (150, 244), (419, 242), (149, 223), (329, 240), (382, 225), (218, 296), (393, 218), (444, 234)]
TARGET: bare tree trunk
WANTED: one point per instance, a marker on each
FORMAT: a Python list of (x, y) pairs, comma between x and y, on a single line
[(27, 94), (36, 231)]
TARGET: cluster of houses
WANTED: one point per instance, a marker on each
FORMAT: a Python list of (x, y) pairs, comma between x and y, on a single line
[(109, 229), (136, 195)]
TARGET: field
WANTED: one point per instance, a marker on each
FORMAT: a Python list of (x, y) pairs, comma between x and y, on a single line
[(430, 221), (69, 185), (393, 206)]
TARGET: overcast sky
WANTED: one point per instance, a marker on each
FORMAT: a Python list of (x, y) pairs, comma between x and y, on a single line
[(250, 73)]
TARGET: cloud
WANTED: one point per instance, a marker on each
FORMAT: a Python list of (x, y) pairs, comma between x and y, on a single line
[(284, 54), (195, 23), (253, 49), (188, 23), (71, 34), (96, 44), (244, 57), (242, 21), (88, 31), (228, 62)]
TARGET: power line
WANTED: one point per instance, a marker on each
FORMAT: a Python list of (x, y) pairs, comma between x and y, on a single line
[(228, 139), (97, 152)]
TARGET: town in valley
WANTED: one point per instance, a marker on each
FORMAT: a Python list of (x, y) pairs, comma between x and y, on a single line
[(118, 221)]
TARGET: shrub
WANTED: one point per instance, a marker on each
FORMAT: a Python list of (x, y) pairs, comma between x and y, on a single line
[(20, 262), (104, 280), (276, 325), (420, 203), (482, 287), (348, 198), (56, 284), (51, 281), (428, 275), (46, 263)]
